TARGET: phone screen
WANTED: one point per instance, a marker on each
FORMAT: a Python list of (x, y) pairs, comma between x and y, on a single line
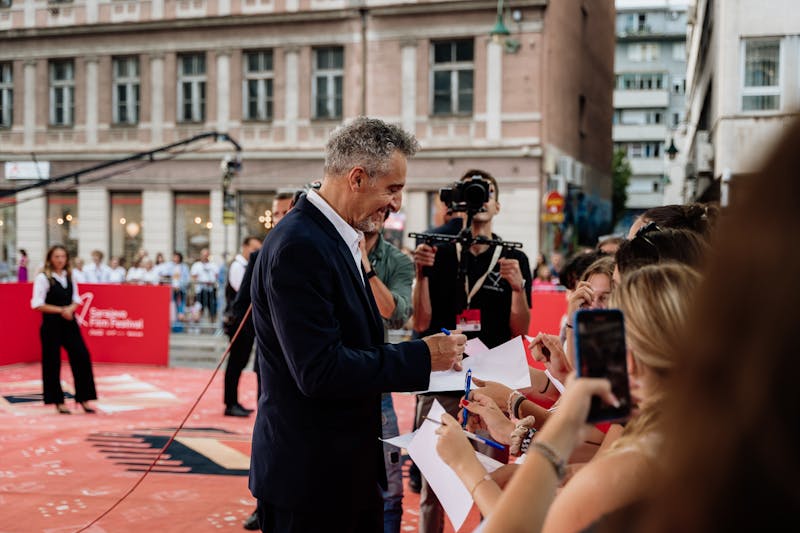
[(600, 353)]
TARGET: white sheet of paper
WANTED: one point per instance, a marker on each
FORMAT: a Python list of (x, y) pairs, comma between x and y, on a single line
[(401, 441), (452, 493), (506, 364), (475, 346)]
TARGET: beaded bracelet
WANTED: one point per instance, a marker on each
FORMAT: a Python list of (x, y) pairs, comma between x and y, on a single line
[(510, 400), (526, 441), (520, 432)]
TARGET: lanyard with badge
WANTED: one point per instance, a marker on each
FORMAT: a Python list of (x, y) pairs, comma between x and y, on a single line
[(470, 319)]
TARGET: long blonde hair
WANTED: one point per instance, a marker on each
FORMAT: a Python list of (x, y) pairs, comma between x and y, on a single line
[(48, 265), (655, 300)]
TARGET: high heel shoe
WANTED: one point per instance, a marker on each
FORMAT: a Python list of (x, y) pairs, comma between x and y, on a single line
[(86, 409), (63, 409)]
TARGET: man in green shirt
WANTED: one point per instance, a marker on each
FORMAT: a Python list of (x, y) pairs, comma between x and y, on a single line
[(389, 273)]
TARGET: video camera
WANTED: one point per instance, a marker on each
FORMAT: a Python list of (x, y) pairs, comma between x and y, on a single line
[(466, 195)]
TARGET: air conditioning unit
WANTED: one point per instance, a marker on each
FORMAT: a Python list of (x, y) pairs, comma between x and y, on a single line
[(577, 173), (703, 153)]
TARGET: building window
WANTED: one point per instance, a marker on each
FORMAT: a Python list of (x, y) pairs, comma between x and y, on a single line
[(62, 92), (328, 76), (679, 51), (644, 51), (191, 88), (676, 119), (641, 23), (257, 85), (678, 86), (453, 72), (192, 224), (649, 150), (126, 225), (6, 95), (648, 81), (125, 96), (761, 90), (62, 221), (5, 3)]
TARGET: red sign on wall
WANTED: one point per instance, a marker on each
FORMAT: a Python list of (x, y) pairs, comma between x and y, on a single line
[(119, 323), (553, 208)]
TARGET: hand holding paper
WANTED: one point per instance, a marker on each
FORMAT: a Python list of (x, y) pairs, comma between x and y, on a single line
[(453, 495), (505, 364)]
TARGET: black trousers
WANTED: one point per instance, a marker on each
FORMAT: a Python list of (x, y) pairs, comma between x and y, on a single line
[(367, 519), (237, 360), (55, 333)]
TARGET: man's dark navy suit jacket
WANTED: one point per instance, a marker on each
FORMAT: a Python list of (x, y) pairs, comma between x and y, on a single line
[(323, 365)]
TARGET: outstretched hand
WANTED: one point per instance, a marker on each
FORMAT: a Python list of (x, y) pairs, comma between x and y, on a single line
[(447, 351), (547, 349), (453, 446), (489, 416), (496, 391)]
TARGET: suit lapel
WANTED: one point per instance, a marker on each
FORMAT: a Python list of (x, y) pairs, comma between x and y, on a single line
[(356, 278)]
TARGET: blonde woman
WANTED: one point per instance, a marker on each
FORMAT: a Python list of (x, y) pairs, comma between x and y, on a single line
[(55, 295), (654, 300)]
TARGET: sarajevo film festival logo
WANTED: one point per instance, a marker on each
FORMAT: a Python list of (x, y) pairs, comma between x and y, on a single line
[(86, 304)]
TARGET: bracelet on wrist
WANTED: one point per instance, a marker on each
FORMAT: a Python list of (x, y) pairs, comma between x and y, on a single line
[(517, 403), (486, 477), (510, 401), (517, 436), (552, 457), (525, 444)]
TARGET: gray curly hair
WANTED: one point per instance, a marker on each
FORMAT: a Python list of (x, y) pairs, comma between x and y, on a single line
[(368, 143)]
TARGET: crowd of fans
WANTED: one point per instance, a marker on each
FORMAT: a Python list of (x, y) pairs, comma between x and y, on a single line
[(565, 474)]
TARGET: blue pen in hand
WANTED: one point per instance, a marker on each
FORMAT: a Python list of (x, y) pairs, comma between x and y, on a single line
[(445, 331), (473, 436), (467, 385)]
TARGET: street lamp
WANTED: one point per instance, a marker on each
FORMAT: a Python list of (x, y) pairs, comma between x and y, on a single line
[(672, 151), (500, 29)]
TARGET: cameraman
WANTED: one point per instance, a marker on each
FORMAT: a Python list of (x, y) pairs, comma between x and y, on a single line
[(493, 305)]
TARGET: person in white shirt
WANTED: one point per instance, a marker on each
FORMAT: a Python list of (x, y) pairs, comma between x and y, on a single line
[(136, 272), (243, 345), (118, 272), (78, 272), (55, 295), (204, 275), (149, 274), (97, 271)]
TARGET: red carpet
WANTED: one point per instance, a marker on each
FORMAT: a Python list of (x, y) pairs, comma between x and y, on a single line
[(59, 472)]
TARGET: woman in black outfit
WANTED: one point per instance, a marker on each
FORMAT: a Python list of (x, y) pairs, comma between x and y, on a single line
[(55, 294)]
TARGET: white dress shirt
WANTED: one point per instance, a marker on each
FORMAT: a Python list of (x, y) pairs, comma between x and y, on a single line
[(205, 273), (97, 273), (236, 272), (349, 234), (41, 286)]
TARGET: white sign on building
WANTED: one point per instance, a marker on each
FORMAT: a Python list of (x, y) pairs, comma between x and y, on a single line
[(27, 170)]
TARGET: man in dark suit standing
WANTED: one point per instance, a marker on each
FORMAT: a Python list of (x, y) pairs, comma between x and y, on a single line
[(321, 354)]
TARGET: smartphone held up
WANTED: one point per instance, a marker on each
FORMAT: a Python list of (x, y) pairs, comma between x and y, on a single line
[(600, 353)]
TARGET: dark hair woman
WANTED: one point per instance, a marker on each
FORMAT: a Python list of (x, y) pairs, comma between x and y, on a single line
[(55, 294)]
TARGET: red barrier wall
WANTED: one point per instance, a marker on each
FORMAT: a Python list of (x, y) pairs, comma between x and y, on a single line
[(119, 323), (547, 308)]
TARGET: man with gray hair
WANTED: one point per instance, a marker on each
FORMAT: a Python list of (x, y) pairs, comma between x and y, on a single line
[(321, 352)]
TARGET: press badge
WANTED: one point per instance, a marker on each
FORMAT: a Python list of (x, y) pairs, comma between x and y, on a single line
[(469, 320)]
